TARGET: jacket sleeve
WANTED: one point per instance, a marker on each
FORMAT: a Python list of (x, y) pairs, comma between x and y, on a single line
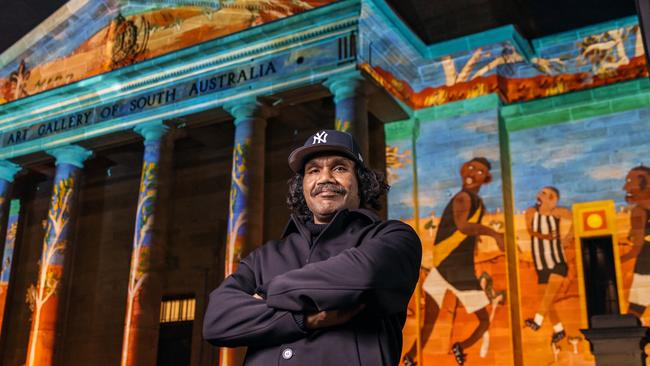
[(381, 272), (234, 318)]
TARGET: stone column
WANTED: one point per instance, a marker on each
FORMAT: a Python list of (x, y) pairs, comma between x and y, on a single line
[(7, 172), (246, 206), (46, 296), (142, 309), (351, 106)]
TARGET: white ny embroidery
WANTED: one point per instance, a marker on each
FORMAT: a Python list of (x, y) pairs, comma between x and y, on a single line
[(320, 138)]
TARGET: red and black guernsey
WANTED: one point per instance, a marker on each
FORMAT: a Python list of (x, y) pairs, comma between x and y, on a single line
[(454, 250), (642, 265)]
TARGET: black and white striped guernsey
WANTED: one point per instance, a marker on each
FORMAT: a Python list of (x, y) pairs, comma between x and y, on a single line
[(547, 254)]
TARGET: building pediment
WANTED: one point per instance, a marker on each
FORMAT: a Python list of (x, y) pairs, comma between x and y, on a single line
[(86, 38)]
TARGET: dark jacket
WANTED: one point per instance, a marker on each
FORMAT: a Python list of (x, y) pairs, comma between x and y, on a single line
[(356, 259)]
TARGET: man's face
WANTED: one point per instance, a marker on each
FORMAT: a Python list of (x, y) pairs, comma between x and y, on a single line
[(637, 186), (474, 175), (329, 185), (547, 197)]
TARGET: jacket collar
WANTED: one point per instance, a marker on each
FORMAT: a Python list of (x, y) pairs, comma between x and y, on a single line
[(342, 217)]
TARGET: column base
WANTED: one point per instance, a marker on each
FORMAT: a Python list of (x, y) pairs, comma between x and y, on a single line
[(617, 340)]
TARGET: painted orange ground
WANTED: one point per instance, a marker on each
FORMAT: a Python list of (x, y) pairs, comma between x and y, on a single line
[(537, 350), (448, 330)]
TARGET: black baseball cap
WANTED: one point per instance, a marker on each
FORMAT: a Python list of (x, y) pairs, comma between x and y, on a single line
[(338, 142)]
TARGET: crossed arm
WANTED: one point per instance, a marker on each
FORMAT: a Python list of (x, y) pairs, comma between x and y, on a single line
[(379, 274), (235, 318)]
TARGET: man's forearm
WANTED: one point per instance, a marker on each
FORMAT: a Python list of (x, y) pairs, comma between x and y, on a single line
[(383, 270), (235, 318)]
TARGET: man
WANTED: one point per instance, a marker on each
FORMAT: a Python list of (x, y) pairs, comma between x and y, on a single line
[(453, 258), (637, 188), (543, 225), (334, 289)]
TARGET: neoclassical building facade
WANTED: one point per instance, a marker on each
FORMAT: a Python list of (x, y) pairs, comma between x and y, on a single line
[(143, 150)]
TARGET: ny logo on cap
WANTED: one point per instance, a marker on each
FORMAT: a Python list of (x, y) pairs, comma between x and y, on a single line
[(320, 138)]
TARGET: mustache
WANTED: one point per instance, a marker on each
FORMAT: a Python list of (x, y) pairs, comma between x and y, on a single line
[(328, 187)]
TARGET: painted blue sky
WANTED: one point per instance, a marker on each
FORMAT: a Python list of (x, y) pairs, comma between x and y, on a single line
[(586, 160), (442, 147)]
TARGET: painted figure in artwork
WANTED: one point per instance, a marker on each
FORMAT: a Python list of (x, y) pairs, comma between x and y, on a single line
[(543, 225), (454, 246), (637, 188)]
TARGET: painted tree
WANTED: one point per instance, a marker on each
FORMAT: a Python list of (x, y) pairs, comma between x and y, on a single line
[(549, 66), (237, 215), (396, 160), (606, 51), (9, 246), (467, 72), (18, 80), (639, 50), (141, 254), (7, 256), (54, 244)]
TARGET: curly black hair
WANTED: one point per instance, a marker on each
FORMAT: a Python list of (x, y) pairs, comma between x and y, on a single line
[(372, 185)]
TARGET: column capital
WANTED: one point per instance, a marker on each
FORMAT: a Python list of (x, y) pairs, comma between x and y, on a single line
[(151, 131), (70, 154), (346, 85), (246, 108), (8, 170)]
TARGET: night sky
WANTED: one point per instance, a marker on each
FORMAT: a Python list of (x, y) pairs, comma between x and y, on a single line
[(18, 17)]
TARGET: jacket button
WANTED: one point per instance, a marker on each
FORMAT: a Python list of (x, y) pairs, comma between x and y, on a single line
[(287, 353)]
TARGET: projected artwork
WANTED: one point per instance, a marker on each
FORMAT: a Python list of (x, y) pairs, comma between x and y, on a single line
[(554, 167), (237, 212), (119, 34), (141, 260), (464, 315), (595, 159), (8, 254), (557, 64), (44, 295)]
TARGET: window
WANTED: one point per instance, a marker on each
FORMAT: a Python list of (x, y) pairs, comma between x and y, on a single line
[(175, 335), (177, 310)]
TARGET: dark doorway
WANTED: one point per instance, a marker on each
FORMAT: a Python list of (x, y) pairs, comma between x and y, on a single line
[(599, 276), (175, 335), (175, 344)]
